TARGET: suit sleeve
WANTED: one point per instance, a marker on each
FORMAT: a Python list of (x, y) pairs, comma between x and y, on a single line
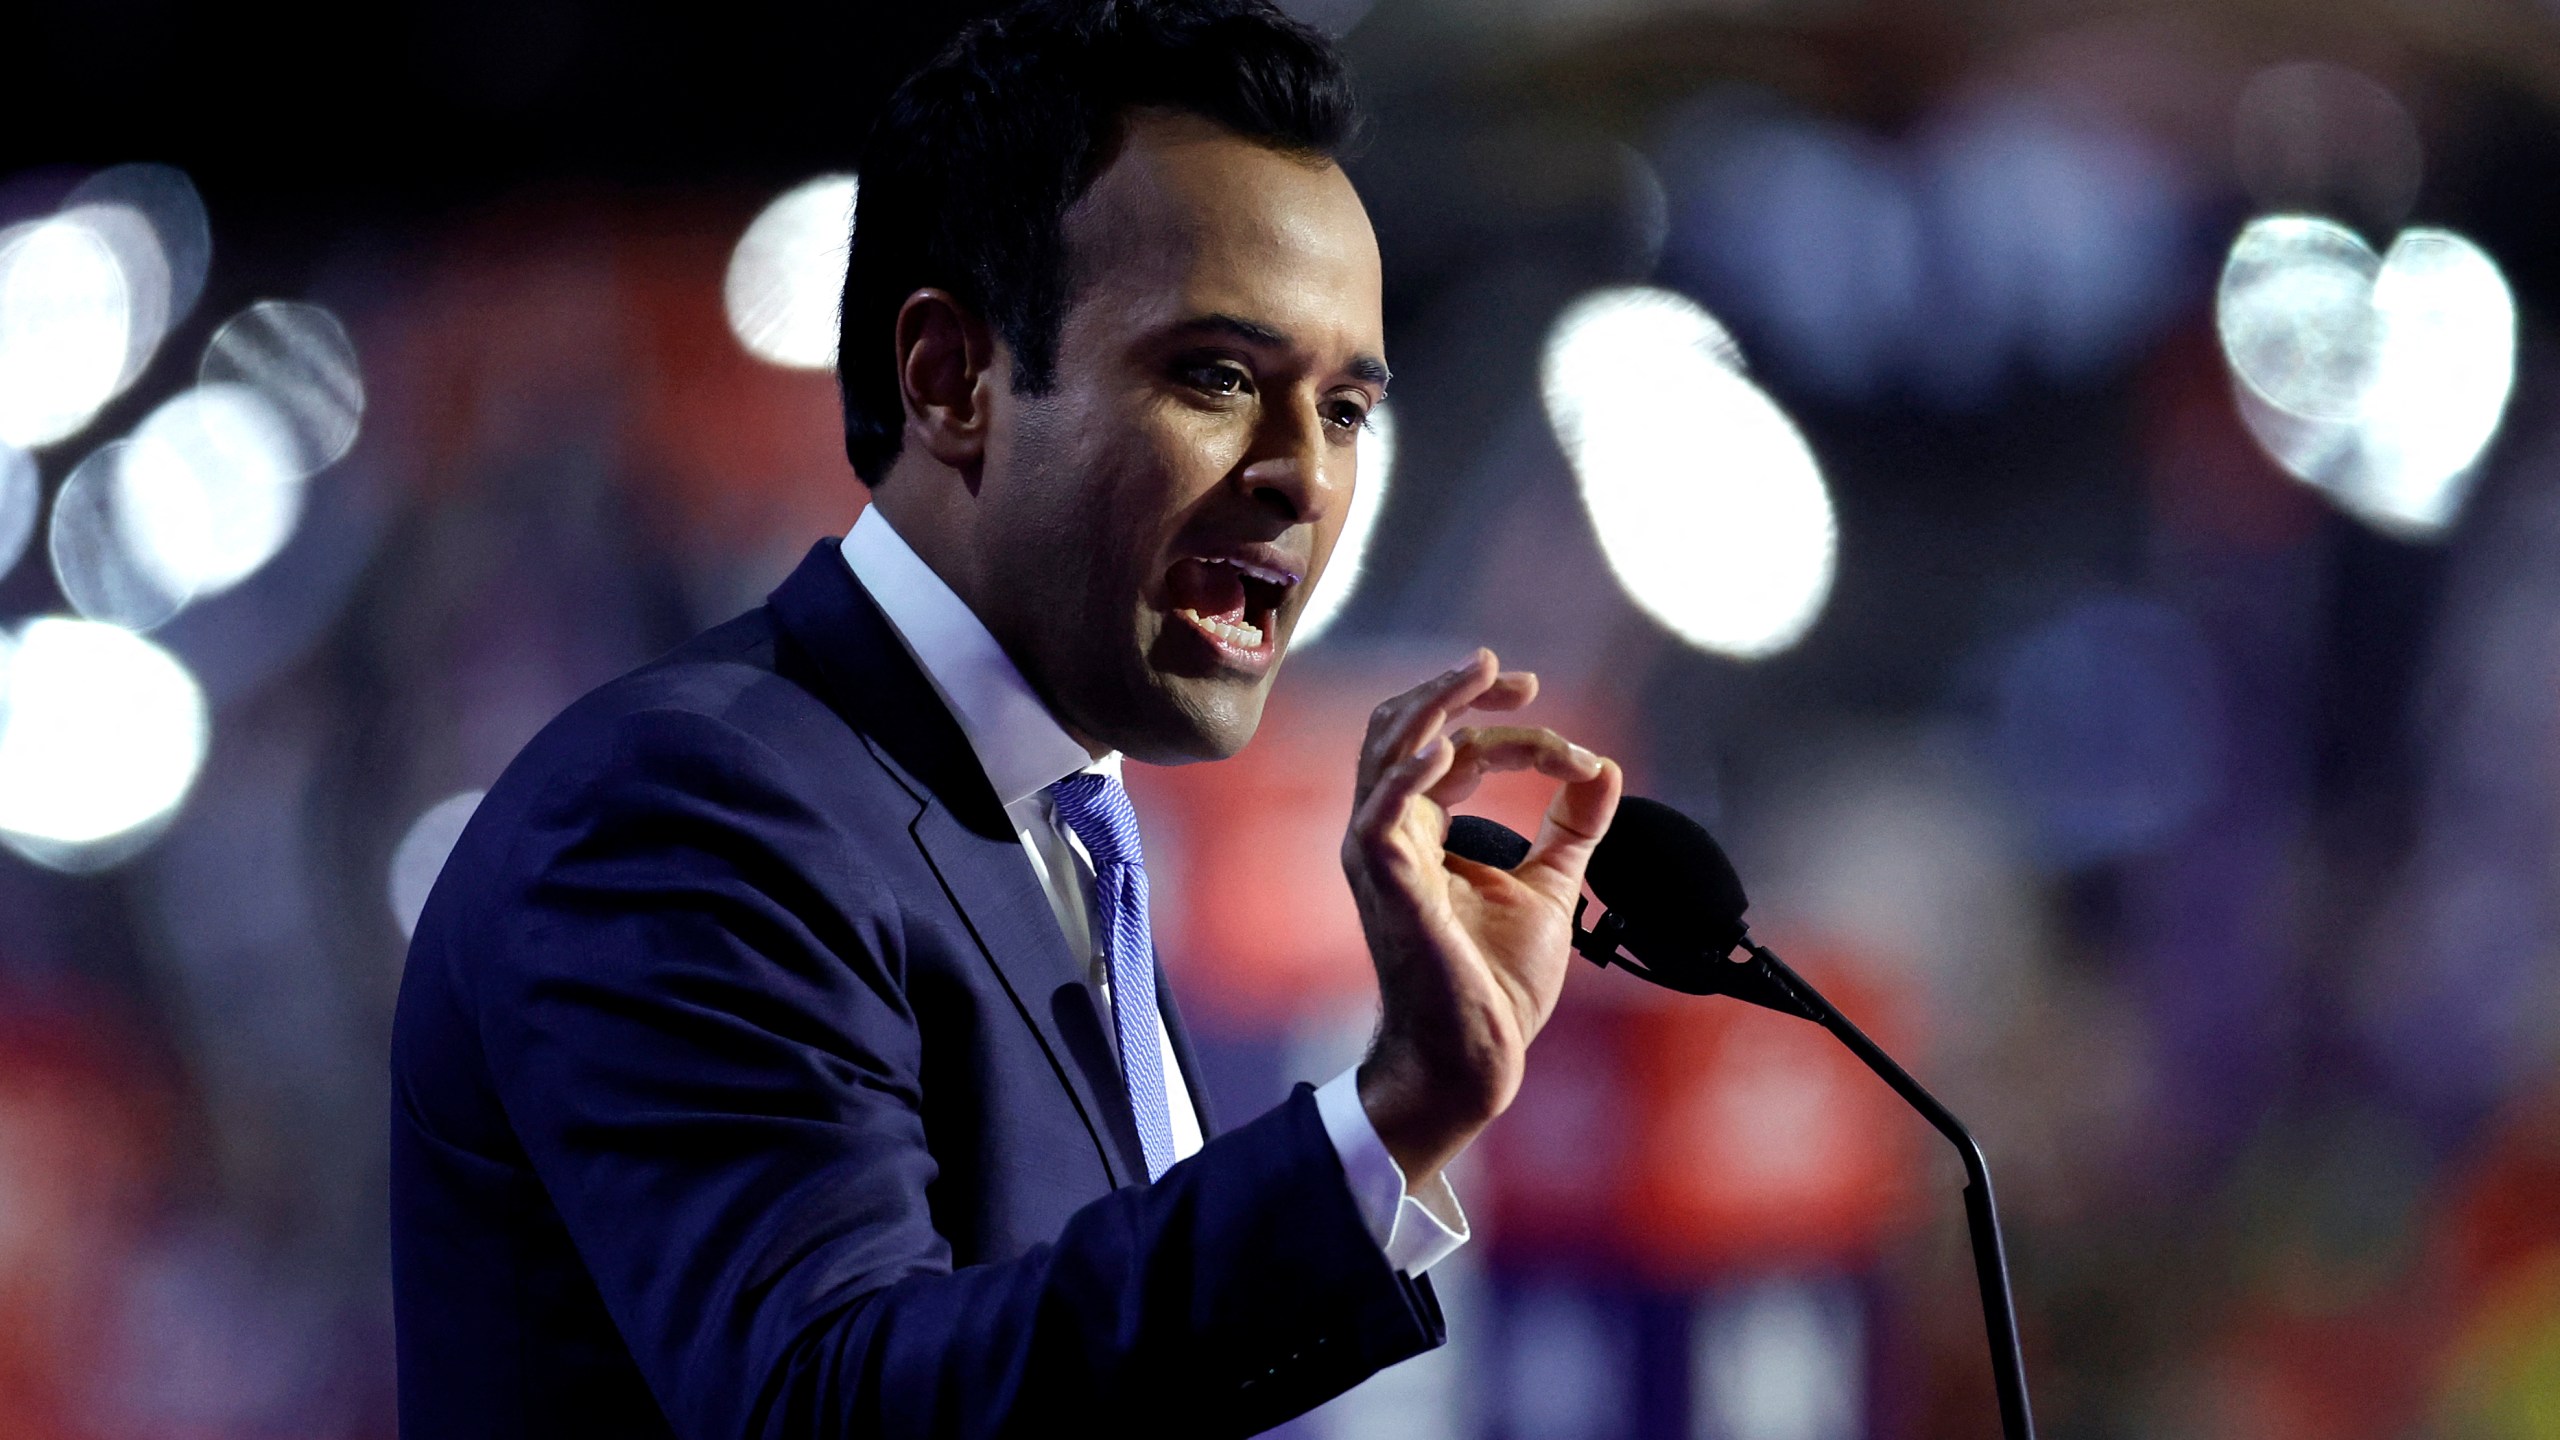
[(693, 1007)]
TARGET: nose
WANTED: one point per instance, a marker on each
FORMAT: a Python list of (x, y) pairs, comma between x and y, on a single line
[(1292, 473)]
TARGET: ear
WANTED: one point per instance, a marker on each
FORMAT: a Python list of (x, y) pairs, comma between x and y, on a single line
[(946, 358)]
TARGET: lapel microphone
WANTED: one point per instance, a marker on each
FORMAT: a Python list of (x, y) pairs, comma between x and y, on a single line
[(1672, 915)]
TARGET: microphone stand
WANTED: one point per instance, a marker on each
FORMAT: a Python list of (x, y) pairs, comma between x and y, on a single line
[(1765, 980)]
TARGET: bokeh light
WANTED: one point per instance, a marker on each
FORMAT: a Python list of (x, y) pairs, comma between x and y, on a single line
[(2297, 318), (1749, 193), (134, 247), (2005, 236), (66, 327), (1705, 497), (206, 491), (786, 277), (420, 856), (210, 487), (163, 196), (1351, 547), (2379, 380), (1780, 1360), (101, 733), (2108, 725), (87, 295), (298, 358), (20, 498), (2448, 366), (98, 556)]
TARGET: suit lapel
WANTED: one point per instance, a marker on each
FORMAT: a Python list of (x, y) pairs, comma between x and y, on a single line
[(866, 676), (990, 880)]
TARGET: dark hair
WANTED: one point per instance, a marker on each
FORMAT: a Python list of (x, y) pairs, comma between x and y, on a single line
[(967, 178)]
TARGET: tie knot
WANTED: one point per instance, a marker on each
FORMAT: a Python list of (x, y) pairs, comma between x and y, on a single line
[(1097, 809)]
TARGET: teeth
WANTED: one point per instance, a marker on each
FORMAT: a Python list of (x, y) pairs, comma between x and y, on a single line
[(1243, 635), (1263, 573)]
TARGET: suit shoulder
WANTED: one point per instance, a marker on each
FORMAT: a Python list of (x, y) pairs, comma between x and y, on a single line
[(726, 690), (712, 750), (720, 725)]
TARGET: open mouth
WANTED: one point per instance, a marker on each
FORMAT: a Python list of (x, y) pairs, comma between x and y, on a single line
[(1234, 603)]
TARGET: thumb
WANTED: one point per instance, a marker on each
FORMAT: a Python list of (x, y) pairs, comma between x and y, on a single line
[(1575, 820)]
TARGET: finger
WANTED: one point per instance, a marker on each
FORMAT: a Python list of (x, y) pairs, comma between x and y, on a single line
[(1509, 691), (1393, 715), (1489, 749), (1385, 829), (1394, 720), (1503, 690), (1576, 819), (1408, 778)]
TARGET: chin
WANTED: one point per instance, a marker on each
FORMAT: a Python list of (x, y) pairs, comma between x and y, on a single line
[(1176, 706), (1189, 720)]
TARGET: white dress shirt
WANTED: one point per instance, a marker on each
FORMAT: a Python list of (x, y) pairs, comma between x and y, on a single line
[(1024, 751)]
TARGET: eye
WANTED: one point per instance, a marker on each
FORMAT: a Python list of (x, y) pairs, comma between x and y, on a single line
[(1215, 377), (1348, 416)]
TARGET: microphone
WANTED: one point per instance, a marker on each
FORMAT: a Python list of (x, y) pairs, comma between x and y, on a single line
[(1673, 915)]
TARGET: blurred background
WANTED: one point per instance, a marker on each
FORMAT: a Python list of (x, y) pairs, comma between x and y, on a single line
[(2071, 493)]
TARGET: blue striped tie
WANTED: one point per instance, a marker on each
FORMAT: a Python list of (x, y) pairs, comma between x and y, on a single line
[(1097, 809)]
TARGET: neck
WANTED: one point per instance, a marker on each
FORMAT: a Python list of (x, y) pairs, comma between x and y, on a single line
[(932, 514)]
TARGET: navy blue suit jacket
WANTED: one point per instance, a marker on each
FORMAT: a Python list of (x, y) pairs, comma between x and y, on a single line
[(743, 1085)]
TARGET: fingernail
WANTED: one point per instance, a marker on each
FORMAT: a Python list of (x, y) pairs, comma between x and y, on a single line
[(1580, 755)]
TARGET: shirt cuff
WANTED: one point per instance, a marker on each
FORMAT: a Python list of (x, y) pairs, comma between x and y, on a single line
[(1416, 1232)]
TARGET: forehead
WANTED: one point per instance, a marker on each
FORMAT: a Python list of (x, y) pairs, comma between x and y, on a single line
[(1190, 218)]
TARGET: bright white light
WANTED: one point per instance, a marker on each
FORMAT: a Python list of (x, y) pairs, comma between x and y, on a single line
[(2448, 366), (2377, 379), (1707, 501), (2295, 311), (422, 853), (97, 557), (299, 358), (66, 328), (210, 488), (165, 197), (1377, 450), (787, 275), (19, 500), (129, 237), (101, 732)]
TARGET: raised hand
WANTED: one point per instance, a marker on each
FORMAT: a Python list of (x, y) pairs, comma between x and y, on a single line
[(1470, 959)]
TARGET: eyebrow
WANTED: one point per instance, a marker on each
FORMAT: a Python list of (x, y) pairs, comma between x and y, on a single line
[(1362, 367)]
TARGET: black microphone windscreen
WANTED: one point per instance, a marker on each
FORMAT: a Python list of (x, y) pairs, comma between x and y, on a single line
[(1664, 874), (1487, 842)]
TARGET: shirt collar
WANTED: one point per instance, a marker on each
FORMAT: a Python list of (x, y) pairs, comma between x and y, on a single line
[(1019, 744)]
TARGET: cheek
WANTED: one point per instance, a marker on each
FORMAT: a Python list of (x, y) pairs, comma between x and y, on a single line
[(1194, 439), (1165, 468), (1193, 454)]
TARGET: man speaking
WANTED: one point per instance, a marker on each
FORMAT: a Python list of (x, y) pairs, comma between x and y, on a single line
[(782, 1052)]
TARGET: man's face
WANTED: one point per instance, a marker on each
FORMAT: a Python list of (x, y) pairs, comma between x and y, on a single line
[(1149, 530)]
